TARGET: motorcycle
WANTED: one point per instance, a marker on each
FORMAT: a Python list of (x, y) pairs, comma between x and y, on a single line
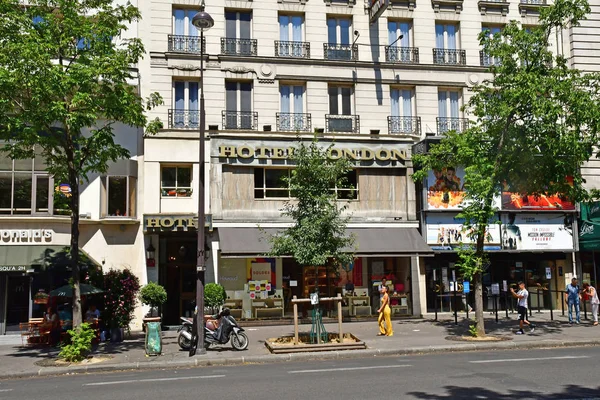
[(218, 329)]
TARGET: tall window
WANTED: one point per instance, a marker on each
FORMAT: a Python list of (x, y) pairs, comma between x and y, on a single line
[(272, 183), (118, 196), (340, 100), (185, 96), (402, 103), (338, 38), (176, 181), (448, 103), (487, 60), (238, 105), (291, 30), (238, 29), (446, 36), (292, 108), (395, 30), (25, 187), (186, 35)]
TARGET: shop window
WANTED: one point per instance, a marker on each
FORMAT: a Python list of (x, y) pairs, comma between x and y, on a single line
[(272, 183), (118, 196), (176, 181), (25, 187)]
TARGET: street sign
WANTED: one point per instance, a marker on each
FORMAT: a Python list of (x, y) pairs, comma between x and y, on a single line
[(495, 289), (314, 298), (466, 287), (548, 273), (504, 286), (377, 8)]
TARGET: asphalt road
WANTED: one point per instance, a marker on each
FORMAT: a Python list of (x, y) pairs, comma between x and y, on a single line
[(537, 374)]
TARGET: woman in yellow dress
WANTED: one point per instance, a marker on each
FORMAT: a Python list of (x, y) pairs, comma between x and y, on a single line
[(385, 314)]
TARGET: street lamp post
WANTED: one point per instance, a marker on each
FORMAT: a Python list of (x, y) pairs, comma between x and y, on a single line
[(202, 21)]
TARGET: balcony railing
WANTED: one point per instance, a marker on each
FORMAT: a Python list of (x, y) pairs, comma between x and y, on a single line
[(408, 55), (240, 120), (186, 44), (534, 2), (292, 49), (449, 57), (184, 119), (240, 47), (342, 123), (404, 126), (486, 60), (343, 52), (293, 122), (445, 124)]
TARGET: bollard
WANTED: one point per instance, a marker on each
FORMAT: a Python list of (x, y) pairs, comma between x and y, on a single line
[(467, 304), (584, 310), (295, 322), (506, 303), (538, 300), (496, 306), (551, 306), (454, 305), (563, 307)]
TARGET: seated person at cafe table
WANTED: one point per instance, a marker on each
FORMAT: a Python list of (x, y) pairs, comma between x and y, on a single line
[(65, 314), (92, 314), (52, 325)]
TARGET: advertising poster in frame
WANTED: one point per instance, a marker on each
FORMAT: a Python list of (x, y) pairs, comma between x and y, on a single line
[(447, 232), (444, 188), (536, 232), (545, 202)]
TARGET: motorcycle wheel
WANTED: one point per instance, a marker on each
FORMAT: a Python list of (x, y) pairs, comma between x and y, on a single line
[(184, 343), (239, 341)]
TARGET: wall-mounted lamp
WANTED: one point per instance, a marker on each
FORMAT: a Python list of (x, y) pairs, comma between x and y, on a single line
[(150, 251)]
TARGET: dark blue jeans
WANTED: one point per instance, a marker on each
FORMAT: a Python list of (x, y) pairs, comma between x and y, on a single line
[(573, 304)]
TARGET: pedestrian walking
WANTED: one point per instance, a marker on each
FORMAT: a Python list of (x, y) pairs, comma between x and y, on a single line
[(594, 301), (385, 314), (521, 297), (573, 299)]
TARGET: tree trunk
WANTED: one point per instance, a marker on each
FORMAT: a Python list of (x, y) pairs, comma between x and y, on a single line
[(77, 315), (477, 277)]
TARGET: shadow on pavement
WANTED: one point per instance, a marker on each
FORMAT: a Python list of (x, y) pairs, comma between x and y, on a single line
[(456, 392), (502, 327)]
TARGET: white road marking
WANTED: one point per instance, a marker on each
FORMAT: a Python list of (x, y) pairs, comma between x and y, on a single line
[(526, 359), (6, 390), (308, 371), (251, 329), (153, 380)]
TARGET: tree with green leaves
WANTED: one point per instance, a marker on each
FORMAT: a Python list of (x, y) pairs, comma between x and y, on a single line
[(65, 82), (318, 235), (535, 123)]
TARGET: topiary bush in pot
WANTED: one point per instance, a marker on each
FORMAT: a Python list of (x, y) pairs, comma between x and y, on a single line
[(153, 295), (214, 296)]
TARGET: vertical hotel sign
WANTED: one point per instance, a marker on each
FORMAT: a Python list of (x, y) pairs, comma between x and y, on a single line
[(376, 8)]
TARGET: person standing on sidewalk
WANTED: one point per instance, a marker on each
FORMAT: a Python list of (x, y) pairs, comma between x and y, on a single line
[(521, 297), (573, 298), (594, 301), (385, 314)]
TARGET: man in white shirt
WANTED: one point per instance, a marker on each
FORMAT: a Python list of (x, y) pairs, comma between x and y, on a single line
[(522, 296)]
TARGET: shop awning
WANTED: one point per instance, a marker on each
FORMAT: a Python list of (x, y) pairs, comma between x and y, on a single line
[(371, 242), (589, 227), (24, 257)]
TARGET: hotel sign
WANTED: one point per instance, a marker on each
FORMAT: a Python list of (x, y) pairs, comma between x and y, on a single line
[(361, 154), (174, 223), (13, 268)]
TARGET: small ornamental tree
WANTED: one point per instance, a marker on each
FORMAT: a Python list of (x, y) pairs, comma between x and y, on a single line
[(536, 123), (66, 81), (318, 235), (120, 295), (153, 295), (214, 296)]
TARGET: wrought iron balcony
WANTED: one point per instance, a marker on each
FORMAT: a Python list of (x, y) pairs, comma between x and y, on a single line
[(186, 44), (184, 119), (342, 52), (445, 124), (240, 120), (293, 122), (342, 123), (534, 2), (404, 126), (449, 57), (292, 49), (407, 55), (239, 47), (486, 60)]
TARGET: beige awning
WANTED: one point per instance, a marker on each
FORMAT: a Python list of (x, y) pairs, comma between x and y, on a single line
[(371, 242)]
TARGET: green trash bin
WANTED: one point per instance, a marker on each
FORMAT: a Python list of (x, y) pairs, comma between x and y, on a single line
[(153, 337)]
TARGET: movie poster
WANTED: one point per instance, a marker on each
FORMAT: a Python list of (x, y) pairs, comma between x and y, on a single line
[(447, 233), (536, 232), (445, 188), (543, 202)]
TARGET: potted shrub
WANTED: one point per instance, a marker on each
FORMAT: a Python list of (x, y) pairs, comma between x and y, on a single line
[(153, 295), (120, 293), (214, 296)]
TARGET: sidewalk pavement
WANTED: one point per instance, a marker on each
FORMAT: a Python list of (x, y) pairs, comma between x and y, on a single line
[(411, 336)]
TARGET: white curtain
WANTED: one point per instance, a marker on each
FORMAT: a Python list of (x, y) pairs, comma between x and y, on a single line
[(297, 28), (407, 103), (439, 36), (298, 103), (395, 97), (442, 112), (405, 31), (454, 104), (285, 98), (193, 31), (284, 28), (451, 31), (179, 16)]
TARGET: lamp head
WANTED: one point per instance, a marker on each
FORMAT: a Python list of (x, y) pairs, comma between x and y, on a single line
[(202, 20)]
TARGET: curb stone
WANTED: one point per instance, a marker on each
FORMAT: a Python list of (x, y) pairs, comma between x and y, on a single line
[(332, 355)]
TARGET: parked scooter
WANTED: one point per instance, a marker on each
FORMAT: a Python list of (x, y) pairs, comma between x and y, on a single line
[(219, 329)]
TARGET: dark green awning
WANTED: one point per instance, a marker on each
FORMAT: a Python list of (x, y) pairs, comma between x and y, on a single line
[(589, 227), (38, 257)]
